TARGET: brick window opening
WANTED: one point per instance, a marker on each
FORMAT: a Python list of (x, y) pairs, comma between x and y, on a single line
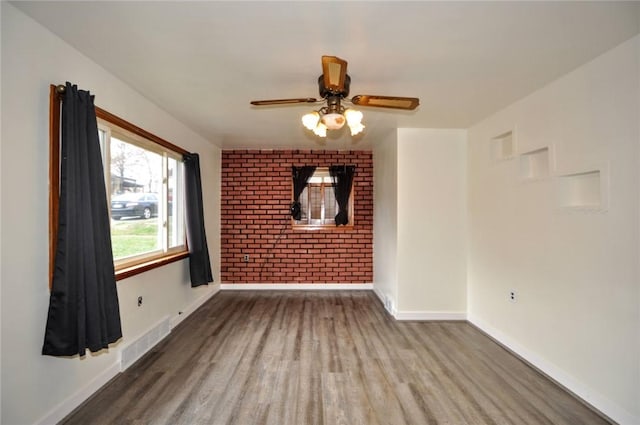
[(318, 202), (256, 192)]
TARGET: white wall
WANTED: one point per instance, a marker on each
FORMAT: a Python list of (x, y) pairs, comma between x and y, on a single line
[(575, 270), (1, 221), (385, 227), (37, 387), (420, 223), (432, 216)]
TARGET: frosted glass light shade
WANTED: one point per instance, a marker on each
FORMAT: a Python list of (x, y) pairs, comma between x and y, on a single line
[(353, 117), (320, 130), (333, 121), (310, 120), (356, 128)]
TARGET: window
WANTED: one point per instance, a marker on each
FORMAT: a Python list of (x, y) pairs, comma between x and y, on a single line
[(318, 202), (144, 180)]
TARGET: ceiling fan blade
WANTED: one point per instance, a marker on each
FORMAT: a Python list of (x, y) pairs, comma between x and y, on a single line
[(334, 72), (395, 102), (283, 101)]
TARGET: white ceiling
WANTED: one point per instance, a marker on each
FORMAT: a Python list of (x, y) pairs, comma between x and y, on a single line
[(204, 61)]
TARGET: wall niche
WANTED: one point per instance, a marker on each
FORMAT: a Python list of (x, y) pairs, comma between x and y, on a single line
[(503, 146), (584, 190), (535, 165)]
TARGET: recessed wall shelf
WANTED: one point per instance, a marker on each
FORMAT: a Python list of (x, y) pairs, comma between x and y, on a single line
[(535, 165), (503, 146), (585, 190)]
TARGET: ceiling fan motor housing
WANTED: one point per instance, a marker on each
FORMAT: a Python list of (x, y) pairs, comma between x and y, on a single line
[(325, 92)]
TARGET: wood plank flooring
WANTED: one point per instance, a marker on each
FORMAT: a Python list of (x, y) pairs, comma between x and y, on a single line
[(326, 357)]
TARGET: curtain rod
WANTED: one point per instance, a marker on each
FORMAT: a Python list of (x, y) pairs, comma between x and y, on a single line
[(60, 88)]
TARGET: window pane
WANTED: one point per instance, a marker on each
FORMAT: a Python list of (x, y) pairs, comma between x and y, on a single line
[(316, 202), (304, 205), (102, 135), (330, 204), (174, 203), (136, 185)]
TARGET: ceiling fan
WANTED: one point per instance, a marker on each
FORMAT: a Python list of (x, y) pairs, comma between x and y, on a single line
[(334, 88)]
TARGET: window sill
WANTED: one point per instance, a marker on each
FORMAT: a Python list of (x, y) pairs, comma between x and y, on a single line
[(133, 270), (322, 228)]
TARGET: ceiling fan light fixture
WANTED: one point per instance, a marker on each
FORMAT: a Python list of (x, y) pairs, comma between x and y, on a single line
[(310, 120), (356, 128), (354, 117), (320, 130), (354, 121), (321, 121), (333, 86), (333, 121)]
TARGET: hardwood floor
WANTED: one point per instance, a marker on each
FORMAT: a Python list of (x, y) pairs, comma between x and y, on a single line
[(326, 358)]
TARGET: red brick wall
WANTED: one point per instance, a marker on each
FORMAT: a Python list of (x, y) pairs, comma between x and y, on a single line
[(256, 195)]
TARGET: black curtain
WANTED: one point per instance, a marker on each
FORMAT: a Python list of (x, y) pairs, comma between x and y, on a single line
[(199, 262), (301, 176), (83, 305), (342, 176)]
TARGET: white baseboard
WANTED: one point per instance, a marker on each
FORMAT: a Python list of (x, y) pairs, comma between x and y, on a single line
[(382, 298), (387, 302), (389, 305), (430, 315), (296, 286), (60, 411), (589, 395), (175, 320)]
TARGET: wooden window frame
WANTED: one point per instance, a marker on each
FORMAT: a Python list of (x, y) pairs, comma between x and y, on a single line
[(55, 99)]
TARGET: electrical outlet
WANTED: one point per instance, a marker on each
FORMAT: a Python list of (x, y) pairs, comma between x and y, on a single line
[(245, 258), (513, 296)]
